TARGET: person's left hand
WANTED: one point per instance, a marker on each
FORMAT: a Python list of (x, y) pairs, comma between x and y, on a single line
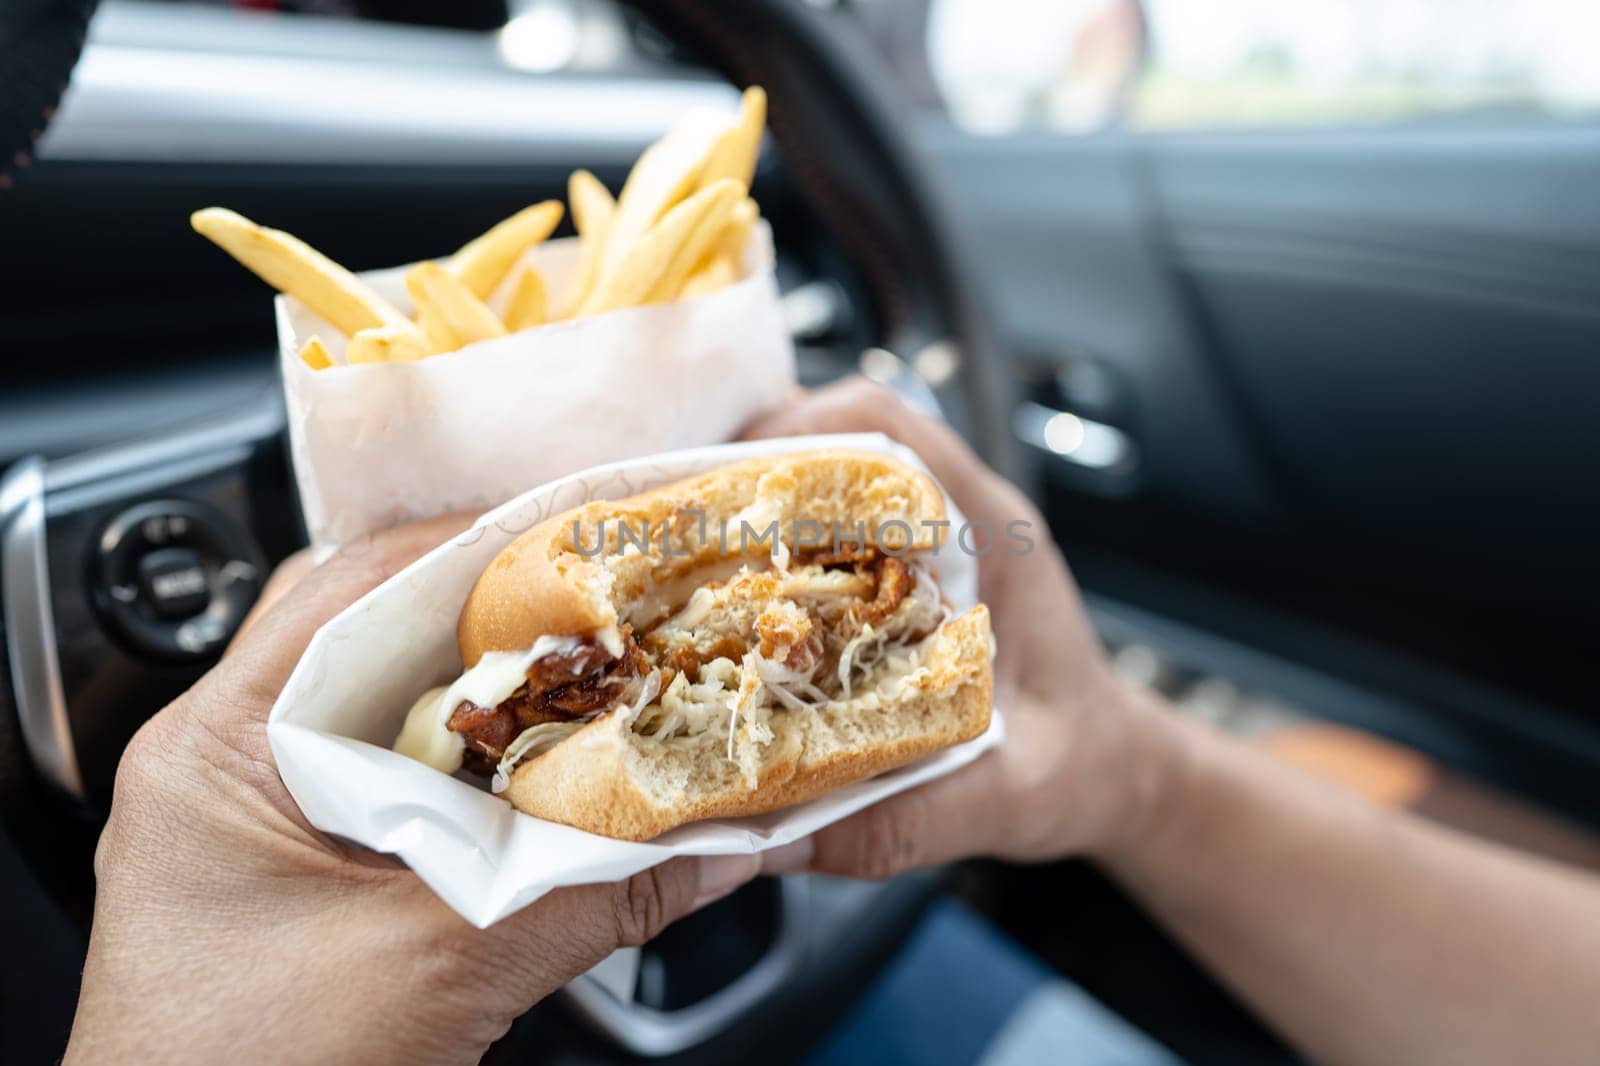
[(225, 924)]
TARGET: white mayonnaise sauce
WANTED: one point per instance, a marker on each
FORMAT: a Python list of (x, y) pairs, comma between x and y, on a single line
[(498, 674)]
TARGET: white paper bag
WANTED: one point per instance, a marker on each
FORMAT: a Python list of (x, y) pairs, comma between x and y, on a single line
[(374, 445), (331, 727)]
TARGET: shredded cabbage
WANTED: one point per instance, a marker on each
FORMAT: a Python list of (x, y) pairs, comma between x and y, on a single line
[(647, 692), (543, 736), (789, 684), (691, 709), (848, 656), (927, 611), (774, 673), (730, 693)]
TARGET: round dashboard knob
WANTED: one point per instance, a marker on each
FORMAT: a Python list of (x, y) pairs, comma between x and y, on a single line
[(175, 578)]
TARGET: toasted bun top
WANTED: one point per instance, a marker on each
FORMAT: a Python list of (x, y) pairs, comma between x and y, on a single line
[(547, 583)]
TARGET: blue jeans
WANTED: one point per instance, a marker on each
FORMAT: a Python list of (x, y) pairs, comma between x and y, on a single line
[(962, 992)]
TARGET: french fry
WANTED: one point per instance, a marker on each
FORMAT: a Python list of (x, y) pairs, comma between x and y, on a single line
[(677, 228), (592, 211), (314, 355), (484, 263), (667, 172), (697, 246), (718, 264), (529, 304), (650, 257), (737, 232), (441, 294), (735, 153), (592, 205), (440, 337), (292, 266), (716, 273), (385, 344)]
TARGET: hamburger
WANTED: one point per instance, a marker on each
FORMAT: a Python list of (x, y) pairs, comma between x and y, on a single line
[(726, 645)]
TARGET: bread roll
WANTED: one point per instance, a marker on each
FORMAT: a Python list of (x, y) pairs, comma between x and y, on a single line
[(743, 671)]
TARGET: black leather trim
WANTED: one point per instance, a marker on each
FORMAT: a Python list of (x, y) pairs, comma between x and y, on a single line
[(39, 45)]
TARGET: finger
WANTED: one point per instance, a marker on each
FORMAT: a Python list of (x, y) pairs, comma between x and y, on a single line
[(285, 576), (261, 660), (955, 817), (572, 929)]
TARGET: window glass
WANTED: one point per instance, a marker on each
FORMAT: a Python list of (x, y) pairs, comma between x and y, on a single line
[(1077, 65)]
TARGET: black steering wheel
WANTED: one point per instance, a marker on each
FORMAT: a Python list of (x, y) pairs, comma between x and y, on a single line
[(39, 45), (838, 120)]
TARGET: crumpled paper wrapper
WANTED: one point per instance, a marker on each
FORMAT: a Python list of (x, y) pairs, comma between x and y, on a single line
[(331, 727), (375, 445)]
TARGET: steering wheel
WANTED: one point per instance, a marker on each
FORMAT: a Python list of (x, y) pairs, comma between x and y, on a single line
[(837, 121), (39, 45)]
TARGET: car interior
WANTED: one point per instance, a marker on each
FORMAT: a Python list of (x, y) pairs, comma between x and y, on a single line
[(1308, 397)]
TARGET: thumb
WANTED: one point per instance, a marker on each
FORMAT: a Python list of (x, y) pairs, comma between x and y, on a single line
[(298, 603), (572, 929)]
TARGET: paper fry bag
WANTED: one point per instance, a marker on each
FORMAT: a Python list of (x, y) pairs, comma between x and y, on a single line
[(377, 444)]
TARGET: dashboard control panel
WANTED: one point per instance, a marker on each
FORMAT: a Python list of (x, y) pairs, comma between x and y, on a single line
[(134, 566), (174, 577)]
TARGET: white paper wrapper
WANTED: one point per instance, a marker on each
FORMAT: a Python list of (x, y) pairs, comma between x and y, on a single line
[(374, 445), (331, 728)]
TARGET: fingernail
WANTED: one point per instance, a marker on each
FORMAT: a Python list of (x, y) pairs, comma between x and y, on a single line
[(721, 874), (789, 858)]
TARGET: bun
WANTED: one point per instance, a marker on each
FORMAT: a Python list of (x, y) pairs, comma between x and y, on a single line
[(607, 779), (752, 686), (541, 584)]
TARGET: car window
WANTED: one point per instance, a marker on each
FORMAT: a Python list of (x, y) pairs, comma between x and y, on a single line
[(1080, 65)]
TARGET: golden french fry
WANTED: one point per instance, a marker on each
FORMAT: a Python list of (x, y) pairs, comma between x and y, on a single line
[(592, 211), (439, 336), (529, 304), (442, 295), (292, 266), (662, 176), (484, 263), (592, 204), (315, 355), (385, 344), (741, 220), (696, 247), (721, 265), (717, 272), (728, 247), (649, 258), (736, 151)]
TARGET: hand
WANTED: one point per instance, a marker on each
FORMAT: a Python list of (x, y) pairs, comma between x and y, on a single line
[(224, 923), (1086, 757)]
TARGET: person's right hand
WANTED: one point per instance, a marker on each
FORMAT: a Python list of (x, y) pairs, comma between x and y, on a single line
[(1085, 759)]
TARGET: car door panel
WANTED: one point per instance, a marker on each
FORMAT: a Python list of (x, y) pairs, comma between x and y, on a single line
[(1359, 368), (1411, 319), (1059, 230)]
